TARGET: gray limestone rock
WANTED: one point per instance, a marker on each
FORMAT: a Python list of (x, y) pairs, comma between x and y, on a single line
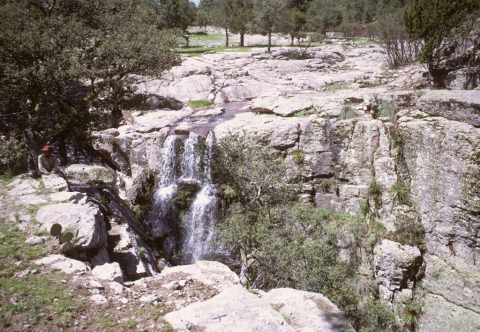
[(394, 263), (458, 105), (79, 173), (86, 219), (63, 264), (108, 272)]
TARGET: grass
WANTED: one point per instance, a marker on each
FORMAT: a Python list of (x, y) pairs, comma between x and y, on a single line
[(347, 112), (301, 113), (195, 104), (399, 192), (198, 50)]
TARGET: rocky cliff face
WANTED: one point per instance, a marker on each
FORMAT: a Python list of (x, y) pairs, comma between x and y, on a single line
[(429, 150)]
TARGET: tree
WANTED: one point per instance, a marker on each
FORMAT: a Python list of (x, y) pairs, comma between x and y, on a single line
[(324, 15), (267, 16), (293, 24), (223, 13), (242, 19), (284, 243), (431, 21), (177, 14), (66, 65)]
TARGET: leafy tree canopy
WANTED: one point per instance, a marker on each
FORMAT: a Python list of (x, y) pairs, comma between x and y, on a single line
[(65, 64)]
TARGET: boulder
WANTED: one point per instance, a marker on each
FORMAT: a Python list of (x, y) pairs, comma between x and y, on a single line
[(35, 240), (79, 173), (98, 299), (395, 263), (54, 182), (234, 309), (86, 219), (306, 311), (211, 273), (108, 272), (458, 105), (63, 264)]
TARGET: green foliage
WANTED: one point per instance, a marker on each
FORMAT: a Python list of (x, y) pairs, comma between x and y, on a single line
[(388, 109), (374, 316), (347, 112), (411, 313), (74, 61), (433, 21), (13, 157), (199, 103), (409, 231), (301, 113), (324, 15), (400, 193), (284, 243), (267, 16), (374, 189), (298, 156)]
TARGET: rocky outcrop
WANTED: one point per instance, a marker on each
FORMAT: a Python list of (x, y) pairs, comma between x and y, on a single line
[(458, 105), (86, 220), (234, 308), (78, 173)]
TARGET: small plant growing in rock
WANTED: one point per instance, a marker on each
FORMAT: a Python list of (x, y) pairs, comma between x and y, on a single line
[(298, 156), (399, 192), (347, 112), (389, 109), (411, 313)]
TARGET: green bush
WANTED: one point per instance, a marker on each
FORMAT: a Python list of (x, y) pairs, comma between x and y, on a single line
[(285, 243), (399, 192), (13, 157)]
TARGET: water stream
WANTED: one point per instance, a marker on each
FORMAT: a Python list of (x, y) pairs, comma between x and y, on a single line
[(183, 217)]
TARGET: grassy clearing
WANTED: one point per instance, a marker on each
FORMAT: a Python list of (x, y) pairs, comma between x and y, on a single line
[(195, 104)]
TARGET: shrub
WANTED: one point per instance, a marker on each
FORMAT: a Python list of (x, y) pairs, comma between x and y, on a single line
[(13, 157), (399, 192), (347, 112)]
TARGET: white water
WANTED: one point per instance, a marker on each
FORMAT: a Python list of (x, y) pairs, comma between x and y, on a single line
[(198, 224)]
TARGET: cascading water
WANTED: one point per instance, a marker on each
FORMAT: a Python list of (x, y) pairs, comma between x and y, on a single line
[(187, 232)]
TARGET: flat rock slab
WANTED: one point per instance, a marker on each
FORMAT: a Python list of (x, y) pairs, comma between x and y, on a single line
[(62, 263), (156, 120), (458, 105), (280, 105), (109, 272), (80, 173), (66, 196), (86, 219), (306, 311), (211, 273), (233, 310), (54, 182)]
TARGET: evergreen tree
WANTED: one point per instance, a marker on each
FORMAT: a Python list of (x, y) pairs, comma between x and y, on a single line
[(432, 21)]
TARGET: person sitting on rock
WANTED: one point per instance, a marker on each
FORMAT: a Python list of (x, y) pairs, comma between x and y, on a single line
[(47, 163)]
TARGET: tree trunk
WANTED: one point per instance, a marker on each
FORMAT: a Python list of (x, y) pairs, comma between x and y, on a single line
[(242, 39), (269, 40), (226, 36), (292, 38), (187, 40)]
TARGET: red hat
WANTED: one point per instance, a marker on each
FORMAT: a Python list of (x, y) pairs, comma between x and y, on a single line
[(46, 148)]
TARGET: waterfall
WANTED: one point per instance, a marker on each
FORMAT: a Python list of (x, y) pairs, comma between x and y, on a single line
[(185, 175)]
